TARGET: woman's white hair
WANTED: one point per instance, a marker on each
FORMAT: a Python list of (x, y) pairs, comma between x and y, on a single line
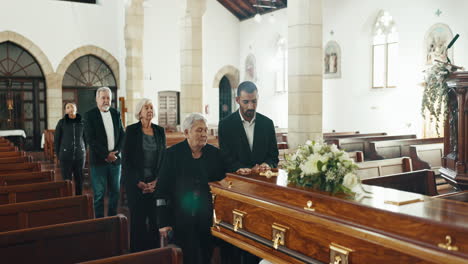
[(140, 105), (103, 89), (190, 119)]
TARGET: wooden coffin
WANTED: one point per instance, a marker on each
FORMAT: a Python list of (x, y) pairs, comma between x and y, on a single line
[(285, 224)]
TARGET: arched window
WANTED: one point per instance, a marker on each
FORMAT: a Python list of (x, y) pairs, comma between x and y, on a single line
[(385, 52), (281, 65), (82, 78), (22, 94)]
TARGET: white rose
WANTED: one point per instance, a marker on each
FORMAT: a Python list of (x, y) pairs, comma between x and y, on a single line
[(334, 148), (309, 167), (317, 147), (350, 180)]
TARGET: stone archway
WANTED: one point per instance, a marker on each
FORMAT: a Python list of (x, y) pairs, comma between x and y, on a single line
[(232, 74), (46, 67), (102, 54)]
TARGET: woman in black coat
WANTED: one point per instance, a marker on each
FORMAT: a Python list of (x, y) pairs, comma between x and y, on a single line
[(143, 152), (183, 187), (70, 146)]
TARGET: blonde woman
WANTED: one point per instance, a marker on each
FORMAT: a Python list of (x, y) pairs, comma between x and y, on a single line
[(143, 152)]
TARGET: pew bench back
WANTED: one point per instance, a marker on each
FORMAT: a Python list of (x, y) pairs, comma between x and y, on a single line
[(427, 156), (397, 148), (26, 178), (422, 182), (160, 256), (376, 168), (45, 212), (67, 243), (36, 191)]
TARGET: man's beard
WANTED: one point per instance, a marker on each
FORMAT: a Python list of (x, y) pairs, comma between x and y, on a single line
[(106, 107), (249, 113)]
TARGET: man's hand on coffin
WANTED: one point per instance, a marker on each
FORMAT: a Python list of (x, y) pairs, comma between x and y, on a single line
[(244, 171), (165, 231)]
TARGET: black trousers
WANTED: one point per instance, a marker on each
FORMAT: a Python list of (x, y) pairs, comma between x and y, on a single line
[(144, 232), (73, 169)]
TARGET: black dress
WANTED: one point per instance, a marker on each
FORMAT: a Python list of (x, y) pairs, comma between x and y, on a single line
[(183, 183)]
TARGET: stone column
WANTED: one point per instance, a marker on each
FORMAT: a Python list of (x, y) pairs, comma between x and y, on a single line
[(54, 99), (305, 71), (134, 22), (191, 70)]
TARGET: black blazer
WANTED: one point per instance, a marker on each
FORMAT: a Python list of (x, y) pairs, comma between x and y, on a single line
[(235, 146), (133, 154), (176, 182), (96, 136)]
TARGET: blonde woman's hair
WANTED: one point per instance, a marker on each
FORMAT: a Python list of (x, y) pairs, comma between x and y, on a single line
[(140, 105)]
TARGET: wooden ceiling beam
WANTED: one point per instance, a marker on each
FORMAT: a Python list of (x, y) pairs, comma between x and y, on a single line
[(233, 8)]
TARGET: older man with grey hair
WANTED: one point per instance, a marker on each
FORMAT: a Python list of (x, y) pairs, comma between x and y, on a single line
[(105, 134), (183, 182)]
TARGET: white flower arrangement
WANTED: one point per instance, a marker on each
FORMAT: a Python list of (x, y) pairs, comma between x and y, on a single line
[(322, 166)]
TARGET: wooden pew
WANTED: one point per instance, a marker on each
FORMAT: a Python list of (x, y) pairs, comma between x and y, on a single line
[(357, 156), (36, 191), (9, 154), (6, 144), (422, 182), (49, 151), (19, 167), (160, 256), (397, 148), (27, 178), (67, 243), (427, 156), (8, 148), (376, 168), (45, 212), (23, 159), (327, 136), (362, 143)]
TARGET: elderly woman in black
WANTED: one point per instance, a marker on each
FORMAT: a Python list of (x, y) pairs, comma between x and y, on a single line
[(143, 153), (183, 186), (70, 146)]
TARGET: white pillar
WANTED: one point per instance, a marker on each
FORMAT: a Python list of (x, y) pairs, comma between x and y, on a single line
[(134, 23), (191, 70), (305, 71)]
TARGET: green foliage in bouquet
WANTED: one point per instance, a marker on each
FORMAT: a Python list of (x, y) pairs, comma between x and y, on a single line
[(323, 167), (436, 93)]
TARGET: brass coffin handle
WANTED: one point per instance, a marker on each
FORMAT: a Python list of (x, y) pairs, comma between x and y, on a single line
[(337, 260), (309, 206), (237, 224), (448, 244), (276, 241)]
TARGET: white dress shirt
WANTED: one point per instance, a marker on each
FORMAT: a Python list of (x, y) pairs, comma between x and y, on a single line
[(109, 126), (249, 128)]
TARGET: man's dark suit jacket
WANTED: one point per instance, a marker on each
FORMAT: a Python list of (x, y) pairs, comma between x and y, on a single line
[(235, 146), (97, 138)]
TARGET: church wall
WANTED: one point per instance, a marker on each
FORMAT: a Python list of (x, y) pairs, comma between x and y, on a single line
[(349, 102), (220, 48), (59, 27), (161, 48), (260, 39)]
